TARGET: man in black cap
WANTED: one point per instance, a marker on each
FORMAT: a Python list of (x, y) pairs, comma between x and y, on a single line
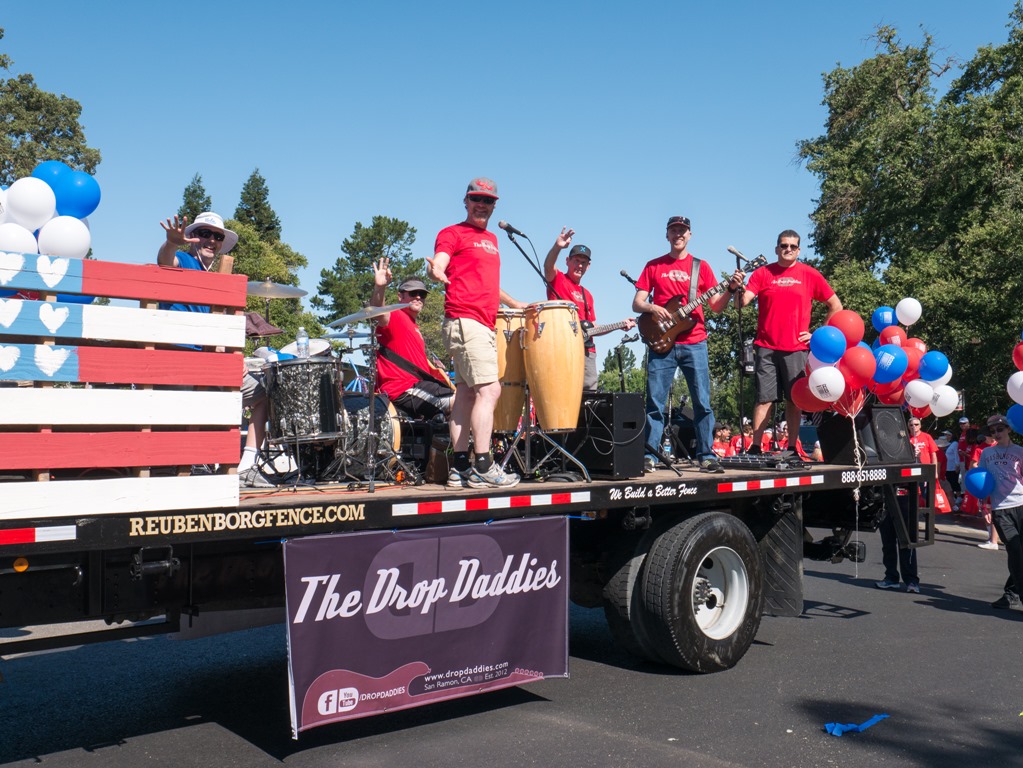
[(404, 372), (566, 286), (1004, 460)]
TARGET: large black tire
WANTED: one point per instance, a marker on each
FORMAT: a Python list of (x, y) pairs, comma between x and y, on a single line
[(702, 592), (622, 596)]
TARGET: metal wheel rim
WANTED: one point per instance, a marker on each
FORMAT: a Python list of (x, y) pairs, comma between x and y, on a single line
[(720, 593)]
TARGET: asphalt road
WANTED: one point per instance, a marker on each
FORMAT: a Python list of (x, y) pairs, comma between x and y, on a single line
[(942, 665)]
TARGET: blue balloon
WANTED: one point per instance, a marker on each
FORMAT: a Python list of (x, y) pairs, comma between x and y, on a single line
[(865, 345), (891, 363), (933, 365), (882, 318), (828, 344), (1015, 417), (50, 171), (77, 194), (979, 482)]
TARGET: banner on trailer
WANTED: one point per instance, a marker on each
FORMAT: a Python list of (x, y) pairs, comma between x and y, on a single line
[(382, 621)]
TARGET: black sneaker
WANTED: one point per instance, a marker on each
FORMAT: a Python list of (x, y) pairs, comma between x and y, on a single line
[(712, 466), (754, 450), (1006, 602)]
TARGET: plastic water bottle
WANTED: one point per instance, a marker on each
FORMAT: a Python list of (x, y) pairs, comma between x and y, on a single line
[(302, 343)]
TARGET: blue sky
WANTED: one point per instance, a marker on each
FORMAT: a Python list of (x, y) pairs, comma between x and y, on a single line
[(606, 117)]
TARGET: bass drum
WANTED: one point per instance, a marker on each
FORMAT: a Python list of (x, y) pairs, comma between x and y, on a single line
[(356, 443)]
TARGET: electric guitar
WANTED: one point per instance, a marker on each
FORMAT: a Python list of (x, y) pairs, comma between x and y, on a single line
[(590, 330), (660, 335)]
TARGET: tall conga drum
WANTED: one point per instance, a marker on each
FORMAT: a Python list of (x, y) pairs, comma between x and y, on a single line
[(554, 355), (511, 369)]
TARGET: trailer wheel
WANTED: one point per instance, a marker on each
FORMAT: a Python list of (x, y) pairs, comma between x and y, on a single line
[(622, 600), (702, 592)]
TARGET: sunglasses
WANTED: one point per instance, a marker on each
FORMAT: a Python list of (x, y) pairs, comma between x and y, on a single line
[(207, 234), (421, 295), (482, 199), (788, 247), (999, 429)]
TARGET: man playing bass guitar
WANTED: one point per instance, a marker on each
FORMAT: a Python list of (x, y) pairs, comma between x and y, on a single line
[(566, 286), (678, 274)]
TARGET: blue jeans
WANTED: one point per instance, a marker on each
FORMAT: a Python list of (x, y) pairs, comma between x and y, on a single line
[(660, 372)]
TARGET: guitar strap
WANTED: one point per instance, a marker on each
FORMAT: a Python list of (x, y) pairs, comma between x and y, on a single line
[(694, 280), (408, 366)]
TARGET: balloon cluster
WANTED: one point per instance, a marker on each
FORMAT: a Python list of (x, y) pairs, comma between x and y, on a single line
[(897, 369), (46, 212), (1014, 386)]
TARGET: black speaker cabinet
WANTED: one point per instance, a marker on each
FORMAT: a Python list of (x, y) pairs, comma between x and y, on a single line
[(609, 439), (882, 433)]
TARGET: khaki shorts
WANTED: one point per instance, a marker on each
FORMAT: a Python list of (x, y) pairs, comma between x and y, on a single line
[(473, 347)]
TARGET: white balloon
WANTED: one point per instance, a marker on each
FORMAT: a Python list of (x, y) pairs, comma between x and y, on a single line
[(944, 401), (813, 363), (65, 236), (827, 383), (1014, 386), (4, 216), (919, 393), (30, 203), (14, 237), (943, 380), (908, 311)]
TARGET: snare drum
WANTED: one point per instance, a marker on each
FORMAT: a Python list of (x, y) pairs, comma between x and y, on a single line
[(304, 400), (511, 369), (388, 429), (554, 356)]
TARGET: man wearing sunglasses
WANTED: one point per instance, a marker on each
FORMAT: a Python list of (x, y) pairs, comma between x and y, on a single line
[(466, 261), (404, 373), (196, 246), (1004, 460), (785, 292)]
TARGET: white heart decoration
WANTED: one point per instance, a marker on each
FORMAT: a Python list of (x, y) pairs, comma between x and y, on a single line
[(53, 271), (10, 265), (52, 318), (50, 359), (8, 357), (9, 311)]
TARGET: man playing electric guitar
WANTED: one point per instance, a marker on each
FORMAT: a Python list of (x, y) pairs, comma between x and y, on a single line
[(566, 286), (679, 273)]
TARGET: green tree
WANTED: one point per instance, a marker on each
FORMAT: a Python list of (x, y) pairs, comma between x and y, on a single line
[(254, 208), (194, 200), (38, 126)]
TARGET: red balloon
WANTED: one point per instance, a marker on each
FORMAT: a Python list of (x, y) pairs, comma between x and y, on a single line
[(850, 403), (893, 334), (884, 389), (917, 343), (1017, 355), (913, 355), (895, 397), (850, 324), (920, 412), (858, 366), (804, 399)]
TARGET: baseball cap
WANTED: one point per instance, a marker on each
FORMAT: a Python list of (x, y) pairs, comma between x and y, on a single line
[(482, 186), (413, 284), (683, 220), (997, 420), (580, 250), (964, 420)]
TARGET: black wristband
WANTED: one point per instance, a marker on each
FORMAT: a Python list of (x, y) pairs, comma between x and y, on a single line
[(734, 290)]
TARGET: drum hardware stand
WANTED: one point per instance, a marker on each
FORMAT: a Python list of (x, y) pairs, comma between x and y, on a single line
[(619, 349), (528, 431)]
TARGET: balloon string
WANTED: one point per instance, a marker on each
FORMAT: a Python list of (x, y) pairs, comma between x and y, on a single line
[(859, 462)]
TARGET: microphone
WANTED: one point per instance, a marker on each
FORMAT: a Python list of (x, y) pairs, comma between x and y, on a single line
[(511, 230), (625, 274), (732, 250)]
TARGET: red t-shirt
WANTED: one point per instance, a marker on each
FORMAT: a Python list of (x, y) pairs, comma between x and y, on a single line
[(565, 290), (785, 297), (928, 449), (722, 449), (402, 336), (474, 272), (737, 441), (667, 277)]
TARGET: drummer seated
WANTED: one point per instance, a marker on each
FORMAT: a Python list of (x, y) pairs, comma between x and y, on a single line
[(253, 398)]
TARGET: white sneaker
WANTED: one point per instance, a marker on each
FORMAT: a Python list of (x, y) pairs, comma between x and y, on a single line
[(988, 545), (492, 478), (253, 478), (456, 479)]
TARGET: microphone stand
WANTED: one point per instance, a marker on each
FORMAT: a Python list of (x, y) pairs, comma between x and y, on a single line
[(533, 264), (621, 360)]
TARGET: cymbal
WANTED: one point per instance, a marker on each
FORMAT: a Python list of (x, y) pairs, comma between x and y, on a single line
[(342, 335), (367, 313), (265, 289)]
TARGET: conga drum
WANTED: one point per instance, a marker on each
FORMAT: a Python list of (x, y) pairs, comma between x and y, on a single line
[(511, 369), (553, 352)]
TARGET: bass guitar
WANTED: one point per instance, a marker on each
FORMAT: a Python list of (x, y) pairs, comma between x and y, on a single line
[(660, 335)]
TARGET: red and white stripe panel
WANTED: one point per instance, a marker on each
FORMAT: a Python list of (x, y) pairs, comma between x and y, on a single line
[(487, 504), (38, 535), (780, 482), (912, 471)]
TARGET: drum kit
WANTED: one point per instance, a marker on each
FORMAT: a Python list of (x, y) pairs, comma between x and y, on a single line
[(330, 434)]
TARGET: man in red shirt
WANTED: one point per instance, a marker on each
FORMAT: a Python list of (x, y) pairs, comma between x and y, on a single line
[(785, 292), (664, 278), (924, 445), (566, 286), (404, 373), (466, 260)]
